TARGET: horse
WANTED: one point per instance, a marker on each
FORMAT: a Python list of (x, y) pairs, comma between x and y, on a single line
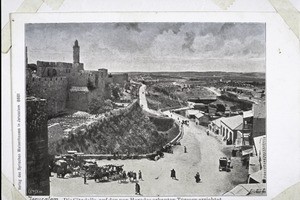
[(132, 176)]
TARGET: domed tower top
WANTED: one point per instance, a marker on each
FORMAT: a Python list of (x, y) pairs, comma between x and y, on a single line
[(76, 43), (76, 52)]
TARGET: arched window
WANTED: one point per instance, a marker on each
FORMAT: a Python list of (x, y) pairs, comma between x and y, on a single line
[(49, 72), (54, 72)]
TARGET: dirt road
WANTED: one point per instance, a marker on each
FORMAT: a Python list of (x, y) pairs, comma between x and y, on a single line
[(202, 156)]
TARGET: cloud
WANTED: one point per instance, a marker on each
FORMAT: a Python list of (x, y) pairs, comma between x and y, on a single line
[(147, 43), (189, 40), (129, 26)]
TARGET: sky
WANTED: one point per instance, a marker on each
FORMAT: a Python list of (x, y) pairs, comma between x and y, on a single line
[(121, 47)]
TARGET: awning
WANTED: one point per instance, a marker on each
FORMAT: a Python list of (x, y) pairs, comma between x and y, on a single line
[(239, 190), (247, 152), (257, 176)]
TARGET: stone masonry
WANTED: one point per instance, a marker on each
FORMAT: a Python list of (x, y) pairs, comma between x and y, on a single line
[(68, 85), (37, 147)]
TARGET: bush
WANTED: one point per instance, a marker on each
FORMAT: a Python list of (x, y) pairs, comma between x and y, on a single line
[(220, 108), (99, 106)]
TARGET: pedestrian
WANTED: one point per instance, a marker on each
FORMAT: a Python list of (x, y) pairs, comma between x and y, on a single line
[(137, 189), (173, 174), (140, 175), (229, 162), (84, 177), (134, 176), (197, 177), (185, 149)]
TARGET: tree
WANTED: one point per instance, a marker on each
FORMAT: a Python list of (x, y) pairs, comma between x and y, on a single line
[(116, 92), (220, 108), (90, 85)]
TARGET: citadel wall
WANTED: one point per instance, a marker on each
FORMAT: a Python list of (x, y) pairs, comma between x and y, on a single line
[(55, 90), (37, 147), (50, 69), (81, 79), (79, 100)]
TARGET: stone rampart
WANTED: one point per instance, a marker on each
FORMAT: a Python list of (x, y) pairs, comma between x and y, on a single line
[(53, 89), (37, 147), (52, 69), (81, 79)]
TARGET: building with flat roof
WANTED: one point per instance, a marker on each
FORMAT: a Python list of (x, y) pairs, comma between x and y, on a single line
[(229, 128), (215, 125)]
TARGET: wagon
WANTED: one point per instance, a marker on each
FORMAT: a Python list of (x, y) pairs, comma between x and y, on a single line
[(224, 164), (89, 169)]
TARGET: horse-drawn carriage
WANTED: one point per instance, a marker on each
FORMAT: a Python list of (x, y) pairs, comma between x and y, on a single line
[(107, 173), (61, 167), (167, 148)]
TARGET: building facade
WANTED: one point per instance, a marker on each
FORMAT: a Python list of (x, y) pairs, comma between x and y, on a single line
[(229, 128)]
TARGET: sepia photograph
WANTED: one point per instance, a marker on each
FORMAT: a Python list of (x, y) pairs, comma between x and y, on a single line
[(146, 109)]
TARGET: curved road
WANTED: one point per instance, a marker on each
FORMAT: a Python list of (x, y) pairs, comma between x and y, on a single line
[(203, 153)]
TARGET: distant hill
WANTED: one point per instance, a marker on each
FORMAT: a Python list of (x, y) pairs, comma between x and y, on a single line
[(194, 74)]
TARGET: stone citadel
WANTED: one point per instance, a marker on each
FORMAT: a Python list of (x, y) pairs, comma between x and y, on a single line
[(68, 85)]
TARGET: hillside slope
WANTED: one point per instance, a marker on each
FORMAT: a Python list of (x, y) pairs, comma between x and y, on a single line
[(132, 132)]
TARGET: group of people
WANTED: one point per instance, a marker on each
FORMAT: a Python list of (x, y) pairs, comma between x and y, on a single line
[(197, 176)]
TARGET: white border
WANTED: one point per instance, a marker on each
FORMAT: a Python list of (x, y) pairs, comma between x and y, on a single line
[(283, 162)]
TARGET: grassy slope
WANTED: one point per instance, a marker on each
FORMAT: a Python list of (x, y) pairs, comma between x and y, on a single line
[(133, 133)]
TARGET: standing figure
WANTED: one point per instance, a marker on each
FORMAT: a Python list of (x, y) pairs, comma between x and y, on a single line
[(134, 176), (84, 177), (197, 177), (173, 174), (229, 163), (124, 175), (185, 149), (140, 175), (137, 189)]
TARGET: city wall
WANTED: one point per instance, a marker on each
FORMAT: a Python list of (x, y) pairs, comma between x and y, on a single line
[(37, 147), (55, 90), (81, 79), (79, 100), (50, 69)]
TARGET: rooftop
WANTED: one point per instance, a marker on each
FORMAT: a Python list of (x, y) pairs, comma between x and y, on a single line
[(192, 112), (198, 115), (248, 113), (217, 122), (234, 122), (247, 189), (79, 89)]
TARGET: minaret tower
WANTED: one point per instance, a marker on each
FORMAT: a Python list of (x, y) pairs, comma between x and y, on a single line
[(76, 50)]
